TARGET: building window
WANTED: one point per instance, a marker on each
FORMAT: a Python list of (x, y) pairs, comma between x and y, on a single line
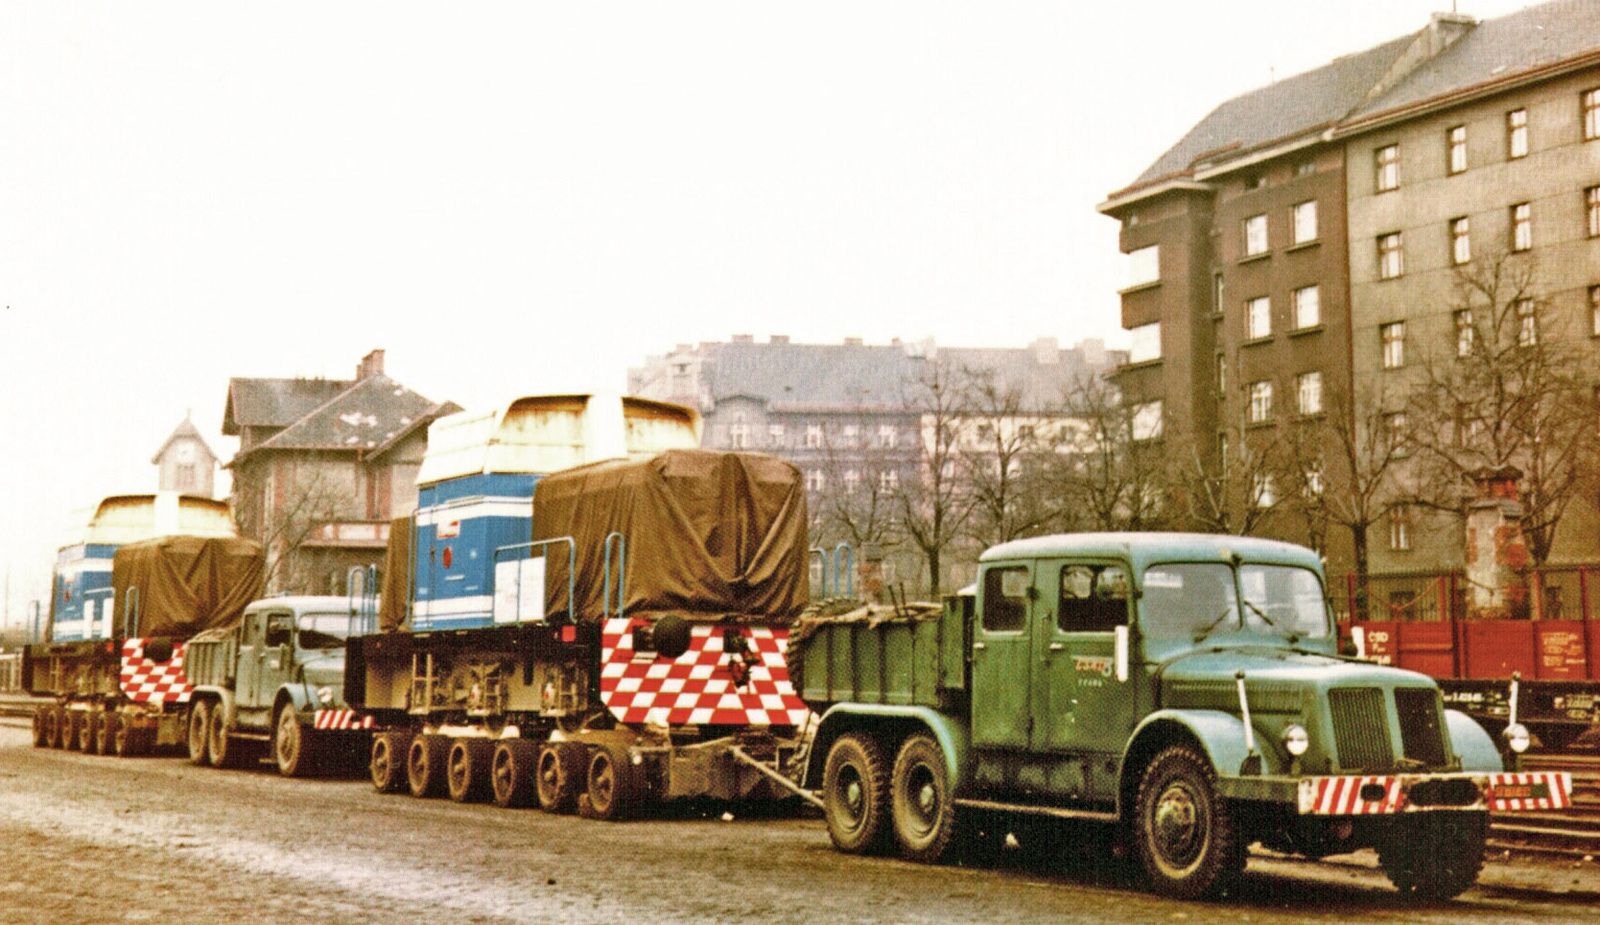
[(1517, 133), (1260, 401), (1391, 262), (1217, 290), (888, 480), (739, 436), (1393, 336), (1521, 226), (1265, 493), (1305, 168), (1591, 114), (1258, 318), (1307, 307), (1313, 480), (1457, 141), (1400, 528), (775, 435), (1394, 428), (887, 436), (1527, 323), (1305, 222), (1147, 420), (1594, 310), (1255, 235), (1146, 343), (816, 480), (1144, 265), (851, 436), (1222, 369), (1308, 392), (1460, 241), (1387, 160), (813, 436), (1591, 207), (852, 479), (1466, 335)]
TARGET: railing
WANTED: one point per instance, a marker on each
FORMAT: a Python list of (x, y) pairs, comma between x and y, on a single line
[(522, 552)]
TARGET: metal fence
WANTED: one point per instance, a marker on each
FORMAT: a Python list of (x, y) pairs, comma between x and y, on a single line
[(1554, 593)]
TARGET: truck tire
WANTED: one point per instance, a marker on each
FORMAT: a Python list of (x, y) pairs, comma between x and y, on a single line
[(224, 751), (425, 765), (855, 794), (1186, 836), (560, 770), (199, 732), (1434, 855), (467, 770), (920, 803), (294, 747), (511, 773), (388, 764), (615, 785)]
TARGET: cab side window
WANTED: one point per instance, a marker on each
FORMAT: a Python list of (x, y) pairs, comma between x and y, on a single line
[(1005, 599), (279, 630), (1094, 598)]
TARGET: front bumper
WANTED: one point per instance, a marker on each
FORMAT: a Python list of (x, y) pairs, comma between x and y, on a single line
[(1401, 793), (341, 720)]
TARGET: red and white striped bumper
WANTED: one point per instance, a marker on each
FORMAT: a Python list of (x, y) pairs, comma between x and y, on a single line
[(1383, 794), (341, 719)]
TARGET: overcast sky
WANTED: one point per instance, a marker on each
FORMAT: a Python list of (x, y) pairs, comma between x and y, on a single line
[(518, 197)]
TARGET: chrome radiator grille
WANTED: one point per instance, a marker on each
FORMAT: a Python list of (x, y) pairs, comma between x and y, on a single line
[(1360, 729)]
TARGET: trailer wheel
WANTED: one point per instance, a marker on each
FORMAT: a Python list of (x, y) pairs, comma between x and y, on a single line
[(923, 812), (102, 732), (1186, 835), (72, 727), (116, 735), (560, 770), (615, 786), (60, 725), (388, 765), (199, 732), (511, 773), (855, 793), (293, 746), (425, 765), (41, 729), (1435, 855), (225, 752), (468, 770)]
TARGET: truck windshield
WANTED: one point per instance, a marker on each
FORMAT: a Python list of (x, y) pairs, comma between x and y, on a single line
[(323, 630), (1188, 600), (1284, 599)]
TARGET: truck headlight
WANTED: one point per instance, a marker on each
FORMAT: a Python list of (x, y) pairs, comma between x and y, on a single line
[(1296, 740), (1517, 738), (325, 696)]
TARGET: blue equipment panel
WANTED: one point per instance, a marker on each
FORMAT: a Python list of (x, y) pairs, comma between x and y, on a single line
[(460, 522), (82, 607)]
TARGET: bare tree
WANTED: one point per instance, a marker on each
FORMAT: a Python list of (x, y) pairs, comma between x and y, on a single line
[(1241, 487), (860, 499), (1513, 393), (933, 506), (998, 456), (286, 518), (1109, 467)]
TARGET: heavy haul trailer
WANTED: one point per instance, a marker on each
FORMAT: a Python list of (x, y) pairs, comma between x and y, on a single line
[(637, 656), (128, 694), (1182, 692)]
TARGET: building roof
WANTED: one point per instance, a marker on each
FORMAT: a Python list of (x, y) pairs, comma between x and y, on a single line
[(184, 431), (369, 416), (275, 402)]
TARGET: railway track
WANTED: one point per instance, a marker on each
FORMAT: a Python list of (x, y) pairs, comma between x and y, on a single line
[(1574, 831)]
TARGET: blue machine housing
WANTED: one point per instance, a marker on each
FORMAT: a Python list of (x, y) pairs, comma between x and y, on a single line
[(459, 524), (82, 596)]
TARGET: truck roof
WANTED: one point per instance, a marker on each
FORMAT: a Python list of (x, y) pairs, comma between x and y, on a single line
[(1145, 548)]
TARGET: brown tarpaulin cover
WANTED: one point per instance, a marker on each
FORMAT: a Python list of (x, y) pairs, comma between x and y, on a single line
[(709, 535), (396, 592), (187, 583)]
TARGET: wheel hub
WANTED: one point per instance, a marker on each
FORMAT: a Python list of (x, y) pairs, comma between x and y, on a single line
[(1177, 824)]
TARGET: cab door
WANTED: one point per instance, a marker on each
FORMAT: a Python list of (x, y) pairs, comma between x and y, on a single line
[(1082, 707), (250, 656), (1002, 657), (277, 654)]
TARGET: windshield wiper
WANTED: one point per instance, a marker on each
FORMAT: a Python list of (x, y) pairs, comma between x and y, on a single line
[(1227, 610), (1292, 636)]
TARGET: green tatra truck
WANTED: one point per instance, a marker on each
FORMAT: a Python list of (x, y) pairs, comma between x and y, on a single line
[(1184, 692)]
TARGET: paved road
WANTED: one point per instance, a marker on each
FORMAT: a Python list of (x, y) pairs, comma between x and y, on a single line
[(102, 840)]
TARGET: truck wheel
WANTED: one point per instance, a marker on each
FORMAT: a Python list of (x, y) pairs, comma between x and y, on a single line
[(225, 753), (425, 765), (560, 770), (1434, 855), (199, 731), (511, 773), (1186, 835), (919, 794), (855, 793), (468, 770), (616, 786), (388, 765), (293, 747), (116, 735)]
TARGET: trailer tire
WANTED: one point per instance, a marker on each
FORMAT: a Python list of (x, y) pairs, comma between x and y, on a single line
[(116, 735), (467, 771), (41, 729), (71, 724), (199, 732), (58, 726), (225, 751), (1186, 836), (855, 794), (920, 802), (294, 747), (615, 788), (388, 764), (101, 745), (511, 774), (1434, 856), (425, 765), (559, 771)]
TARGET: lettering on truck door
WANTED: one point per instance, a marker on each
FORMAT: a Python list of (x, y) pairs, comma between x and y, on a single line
[(1001, 657)]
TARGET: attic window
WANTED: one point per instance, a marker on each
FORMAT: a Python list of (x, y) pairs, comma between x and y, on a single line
[(1255, 181), (1305, 168)]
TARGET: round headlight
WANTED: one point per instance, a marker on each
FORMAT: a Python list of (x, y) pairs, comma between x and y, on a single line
[(1296, 740), (325, 696), (1518, 738)]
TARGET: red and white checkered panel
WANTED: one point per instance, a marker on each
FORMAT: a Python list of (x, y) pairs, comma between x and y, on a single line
[(144, 681), (341, 719), (698, 688)]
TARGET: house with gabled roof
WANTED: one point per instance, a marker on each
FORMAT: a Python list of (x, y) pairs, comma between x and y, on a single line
[(185, 462), (323, 465)]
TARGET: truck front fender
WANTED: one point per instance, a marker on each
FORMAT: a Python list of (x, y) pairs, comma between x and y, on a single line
[(1220, 735), (891, 725), (294, 693), (1473, 744)]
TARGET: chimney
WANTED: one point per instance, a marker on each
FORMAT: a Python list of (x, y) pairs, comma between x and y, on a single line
[(780, 339), (744, 338), (371, 365), (852, 341), (1046, 352)]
